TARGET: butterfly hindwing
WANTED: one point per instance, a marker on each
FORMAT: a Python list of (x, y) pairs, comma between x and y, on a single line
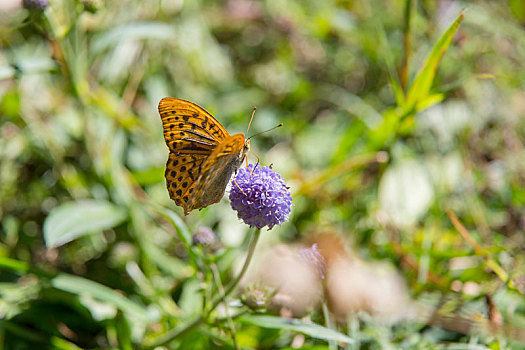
[(216, 173), (182, 173), (188, 128)]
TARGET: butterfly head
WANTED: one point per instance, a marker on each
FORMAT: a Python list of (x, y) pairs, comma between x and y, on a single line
[(245, 149)]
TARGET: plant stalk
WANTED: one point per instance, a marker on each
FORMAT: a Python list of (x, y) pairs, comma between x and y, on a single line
[(177, 332)]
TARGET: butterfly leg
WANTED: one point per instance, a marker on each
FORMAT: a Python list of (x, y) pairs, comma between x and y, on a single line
[(239, 187), (258, 162), (255, 155), (251, 172)]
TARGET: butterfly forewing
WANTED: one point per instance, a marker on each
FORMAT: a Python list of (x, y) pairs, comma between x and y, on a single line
[(203, 155), (188, 128)]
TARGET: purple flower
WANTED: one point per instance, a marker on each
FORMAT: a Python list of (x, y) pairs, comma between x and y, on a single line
[(35, 5), (314, 257), (260, 197), (204, 236)]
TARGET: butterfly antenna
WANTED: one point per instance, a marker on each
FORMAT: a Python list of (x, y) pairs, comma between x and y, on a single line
[(262, 132), (251, 119)]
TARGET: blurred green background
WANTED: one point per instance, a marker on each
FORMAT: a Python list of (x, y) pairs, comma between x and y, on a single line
[(375, 147)]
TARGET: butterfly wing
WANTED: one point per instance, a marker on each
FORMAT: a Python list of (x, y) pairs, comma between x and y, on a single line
[(182, 172), (216, 172), (203, 155), (188, 128)]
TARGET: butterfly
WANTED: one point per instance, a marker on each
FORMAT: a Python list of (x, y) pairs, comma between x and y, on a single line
[(203, 155)]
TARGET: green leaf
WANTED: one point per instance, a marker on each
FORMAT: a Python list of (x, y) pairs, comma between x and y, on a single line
[(175, 267), (180, 227), (72, 220), (12, 264), (124, 332), (429, 101), (134, 31), (517, 7), (62, 344), (149, 177), (421, 85), (311, 329), (37, 337), (84, 287), (398, 92)]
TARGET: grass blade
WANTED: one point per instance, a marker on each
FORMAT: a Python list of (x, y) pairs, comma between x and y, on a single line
[(421, 85), (311, 329), (81, 286)]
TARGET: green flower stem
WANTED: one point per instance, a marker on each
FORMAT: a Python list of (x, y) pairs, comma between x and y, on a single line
[(236, 281), (177, 332), (329, 324), (220, 320), (217, 278)]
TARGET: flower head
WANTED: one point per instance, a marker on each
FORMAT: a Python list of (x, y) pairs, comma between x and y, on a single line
[(260, 197), (204, 236), (313, 256), (256, 297), (35, 5)]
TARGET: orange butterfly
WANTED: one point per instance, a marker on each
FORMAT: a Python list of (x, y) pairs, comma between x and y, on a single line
[(203, 155)]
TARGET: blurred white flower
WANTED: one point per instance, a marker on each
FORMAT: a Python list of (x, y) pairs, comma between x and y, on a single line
[(296, 283), (353, 286)]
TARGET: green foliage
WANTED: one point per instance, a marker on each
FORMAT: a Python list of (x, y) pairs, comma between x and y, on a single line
[(312, 330), (70, 221), (94, 254)]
